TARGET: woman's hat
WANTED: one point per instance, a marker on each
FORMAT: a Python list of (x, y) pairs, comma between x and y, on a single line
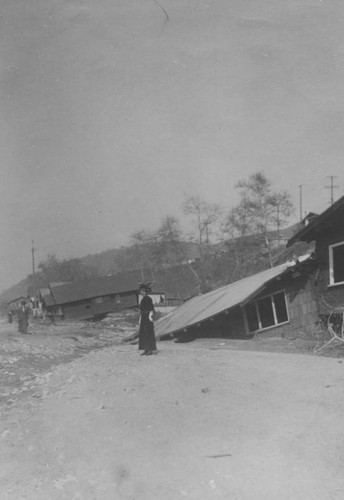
[(145, 286)]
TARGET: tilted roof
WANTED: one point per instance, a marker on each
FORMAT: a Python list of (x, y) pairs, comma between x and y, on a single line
[(97, 287), (210, 304)]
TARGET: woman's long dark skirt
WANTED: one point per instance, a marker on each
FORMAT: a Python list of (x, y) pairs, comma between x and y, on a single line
[(147, 340)]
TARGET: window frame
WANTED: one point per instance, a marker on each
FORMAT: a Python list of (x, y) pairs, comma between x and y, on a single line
[(331, 264), (276, 324)]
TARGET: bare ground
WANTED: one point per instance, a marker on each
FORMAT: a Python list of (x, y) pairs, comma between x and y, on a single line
[(212, 419)]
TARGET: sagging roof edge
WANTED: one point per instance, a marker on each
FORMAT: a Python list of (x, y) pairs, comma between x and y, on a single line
[(240, 304), (191, 325), (59, 303)]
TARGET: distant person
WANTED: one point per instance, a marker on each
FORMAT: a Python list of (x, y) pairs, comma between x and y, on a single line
[(23, 317), (147, 342), (10, 317)]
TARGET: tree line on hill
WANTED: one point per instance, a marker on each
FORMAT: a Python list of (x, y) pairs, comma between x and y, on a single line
[(225, 244), (231, 243)]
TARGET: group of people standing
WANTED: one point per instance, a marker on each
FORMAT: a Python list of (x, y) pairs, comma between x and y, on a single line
[(147, 342), (22, 315)]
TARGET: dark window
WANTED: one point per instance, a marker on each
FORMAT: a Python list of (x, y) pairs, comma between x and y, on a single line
[(252, 317), (280, 307), (338, 263), (266, 312)]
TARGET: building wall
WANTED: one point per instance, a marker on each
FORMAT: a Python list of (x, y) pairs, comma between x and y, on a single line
[(90, 308), (301, 305), (78, 310), (157, 298), (328, 296), (114, 303), (14, 306)]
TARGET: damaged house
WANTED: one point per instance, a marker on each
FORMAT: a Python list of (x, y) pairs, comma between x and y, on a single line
[(91, 298), (327, 232), (277, 298), (284, 300)]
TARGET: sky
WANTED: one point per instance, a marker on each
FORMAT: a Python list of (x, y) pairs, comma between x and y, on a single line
[(111, 112)]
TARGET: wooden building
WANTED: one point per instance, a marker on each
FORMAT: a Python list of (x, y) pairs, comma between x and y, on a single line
[(327, 232), (276, 301), (287, 300), (14, 304), (92, 298)]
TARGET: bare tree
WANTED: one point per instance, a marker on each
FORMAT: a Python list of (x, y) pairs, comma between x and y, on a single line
[(169, 247), (206, 216), (143, 251), (261, 212)]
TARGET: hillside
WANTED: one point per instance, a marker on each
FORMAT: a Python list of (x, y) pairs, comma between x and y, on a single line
[(230, 261), (123, 259), (182, 281)]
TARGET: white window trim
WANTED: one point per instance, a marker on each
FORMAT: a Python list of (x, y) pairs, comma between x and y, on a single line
[(331, 270), (260, 328)]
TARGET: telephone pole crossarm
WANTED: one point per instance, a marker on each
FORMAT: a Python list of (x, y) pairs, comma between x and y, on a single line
[(332, 187)]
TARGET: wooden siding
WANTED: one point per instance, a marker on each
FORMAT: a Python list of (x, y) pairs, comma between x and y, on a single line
[(88, 309), (301, 304), (328, 296), (114, 303), (78, 310)]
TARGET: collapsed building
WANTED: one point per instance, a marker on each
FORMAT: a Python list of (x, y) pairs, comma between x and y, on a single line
[(87, 299), (285, 299)]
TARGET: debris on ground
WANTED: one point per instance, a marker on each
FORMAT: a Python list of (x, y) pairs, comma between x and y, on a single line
[(25, 359)]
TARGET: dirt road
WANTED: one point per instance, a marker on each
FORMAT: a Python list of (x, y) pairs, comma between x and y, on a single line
[(196, 421)]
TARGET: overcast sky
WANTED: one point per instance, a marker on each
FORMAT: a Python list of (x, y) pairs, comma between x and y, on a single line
[(113, 110)]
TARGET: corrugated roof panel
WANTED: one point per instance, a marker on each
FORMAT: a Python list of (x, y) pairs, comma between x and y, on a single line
[(210, 304)]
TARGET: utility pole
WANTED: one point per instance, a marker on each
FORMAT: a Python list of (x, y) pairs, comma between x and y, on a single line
[(33, 275), (331, 187), (278, 226), (300, 188)]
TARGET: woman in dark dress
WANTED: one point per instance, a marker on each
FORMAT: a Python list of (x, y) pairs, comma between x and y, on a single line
[(147, 342)]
